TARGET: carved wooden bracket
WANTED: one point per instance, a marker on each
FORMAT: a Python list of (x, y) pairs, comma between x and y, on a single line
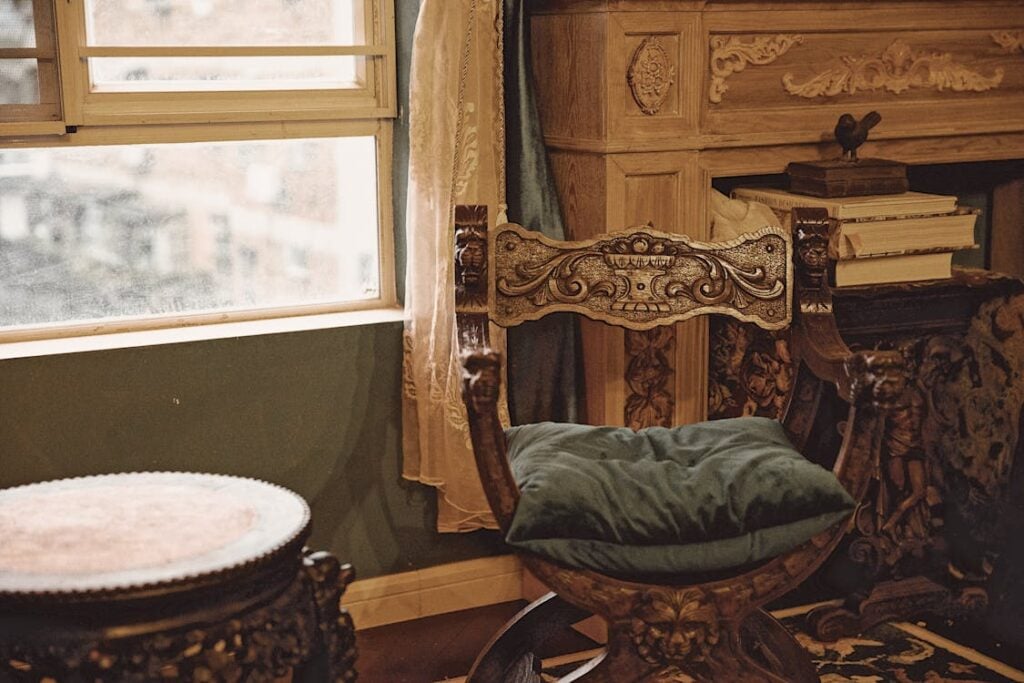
[(897, 69), (651, 75), (642, 278), (729, 55), (1011, 41)]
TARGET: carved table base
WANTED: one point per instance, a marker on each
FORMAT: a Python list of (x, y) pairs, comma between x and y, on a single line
[(256, 608), (243, 638)]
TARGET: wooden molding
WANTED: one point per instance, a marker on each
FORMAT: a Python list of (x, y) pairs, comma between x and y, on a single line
[(896, 69), (427, 592), (729, 55)]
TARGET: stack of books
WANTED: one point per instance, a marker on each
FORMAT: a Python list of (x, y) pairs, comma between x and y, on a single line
[(884, 238)]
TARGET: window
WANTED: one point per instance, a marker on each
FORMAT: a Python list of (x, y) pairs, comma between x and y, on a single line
[(168, 162)]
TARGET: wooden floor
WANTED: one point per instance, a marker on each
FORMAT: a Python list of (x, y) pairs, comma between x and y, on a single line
[(436, 648)]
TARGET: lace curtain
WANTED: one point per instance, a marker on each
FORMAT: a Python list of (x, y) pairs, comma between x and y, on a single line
[(456, 156)]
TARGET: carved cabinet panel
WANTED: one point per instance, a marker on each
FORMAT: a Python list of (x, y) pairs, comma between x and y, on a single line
[(644, 102), (794, 70)]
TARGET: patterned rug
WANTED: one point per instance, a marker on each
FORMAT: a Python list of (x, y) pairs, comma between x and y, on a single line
[(889, 653), (900, 653)]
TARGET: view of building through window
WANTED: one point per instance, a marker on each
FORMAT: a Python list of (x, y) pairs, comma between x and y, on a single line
[(19, 77), (252, 222), (99, 232)]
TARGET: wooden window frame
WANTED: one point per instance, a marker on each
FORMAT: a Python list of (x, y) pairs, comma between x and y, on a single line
[(87, 118)]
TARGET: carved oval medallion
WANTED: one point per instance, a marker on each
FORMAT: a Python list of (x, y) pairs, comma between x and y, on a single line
[(651, 75)]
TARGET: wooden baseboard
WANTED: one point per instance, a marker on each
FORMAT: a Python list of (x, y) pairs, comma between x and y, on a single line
[(436, 590)]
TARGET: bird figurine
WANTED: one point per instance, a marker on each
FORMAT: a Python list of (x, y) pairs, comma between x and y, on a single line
[(852, 133)]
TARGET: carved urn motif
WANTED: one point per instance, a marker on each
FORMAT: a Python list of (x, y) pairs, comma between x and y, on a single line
[(638, 259)]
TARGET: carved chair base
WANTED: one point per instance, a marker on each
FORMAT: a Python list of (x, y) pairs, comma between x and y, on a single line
[(894, 600), (759, 651)]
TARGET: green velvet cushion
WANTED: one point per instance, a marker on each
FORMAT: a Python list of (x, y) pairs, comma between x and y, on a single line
[(703, 497)]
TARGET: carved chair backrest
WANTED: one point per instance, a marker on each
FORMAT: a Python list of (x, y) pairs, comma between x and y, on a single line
[(639, 278)]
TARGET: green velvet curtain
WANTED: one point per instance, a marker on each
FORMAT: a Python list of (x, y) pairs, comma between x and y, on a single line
[(542, 364)]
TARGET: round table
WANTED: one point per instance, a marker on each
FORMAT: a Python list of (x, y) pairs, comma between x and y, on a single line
[(167, 576)]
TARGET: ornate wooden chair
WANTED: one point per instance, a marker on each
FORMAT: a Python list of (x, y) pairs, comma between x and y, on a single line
[(700, 618)]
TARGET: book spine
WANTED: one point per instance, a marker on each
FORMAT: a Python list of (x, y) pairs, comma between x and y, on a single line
[(784, 203)]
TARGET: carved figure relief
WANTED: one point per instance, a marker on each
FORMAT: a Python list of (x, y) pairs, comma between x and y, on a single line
[(471, 256), (649, 372), (1011, 41), (896, 69), (730, 55), (651, 75), (674, 626), (811, 238), (642, 277)]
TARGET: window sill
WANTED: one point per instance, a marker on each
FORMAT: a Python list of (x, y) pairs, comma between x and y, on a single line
[(177, 335)]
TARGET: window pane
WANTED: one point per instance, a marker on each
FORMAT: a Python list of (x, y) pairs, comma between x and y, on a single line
[(98, 232), (19, 81), (215, 22), (223, 73), (17, 27)]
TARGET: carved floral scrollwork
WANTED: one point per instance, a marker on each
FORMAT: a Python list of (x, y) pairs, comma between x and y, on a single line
[(730, 55), (896, 69), (1011, 41), (642, 278), (751, 371), (651, 75)]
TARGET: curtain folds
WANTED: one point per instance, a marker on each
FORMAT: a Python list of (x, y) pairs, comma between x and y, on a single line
[(456, 156), (470, 77), (541, 354)]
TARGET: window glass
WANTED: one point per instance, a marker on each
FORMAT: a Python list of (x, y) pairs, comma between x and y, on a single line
[(223, 73), (19, 81), (17, 25), (223, 22), (106, 232)]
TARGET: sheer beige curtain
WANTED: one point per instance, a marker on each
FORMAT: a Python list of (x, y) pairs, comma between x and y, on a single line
[(456, 156)]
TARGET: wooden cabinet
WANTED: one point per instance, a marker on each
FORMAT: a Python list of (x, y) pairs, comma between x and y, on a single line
[(644, 102)]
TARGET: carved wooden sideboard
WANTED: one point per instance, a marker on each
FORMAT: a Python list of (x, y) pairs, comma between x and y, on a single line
[(644, 102), (935, 532)]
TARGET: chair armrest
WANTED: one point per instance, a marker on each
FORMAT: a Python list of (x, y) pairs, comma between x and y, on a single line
[(877, 378), (481, 386)]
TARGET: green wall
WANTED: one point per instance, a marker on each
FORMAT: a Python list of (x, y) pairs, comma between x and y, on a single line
[(317, 411)]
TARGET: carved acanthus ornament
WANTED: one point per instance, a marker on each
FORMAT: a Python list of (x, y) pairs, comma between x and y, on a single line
[(642, 278), (651, 74), (729, 55), (896, 69), (649, 375), (1011, 41)]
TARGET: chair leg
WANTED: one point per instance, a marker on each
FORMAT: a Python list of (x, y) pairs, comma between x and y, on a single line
[(758, 651), (768, 641), (507, 658)]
